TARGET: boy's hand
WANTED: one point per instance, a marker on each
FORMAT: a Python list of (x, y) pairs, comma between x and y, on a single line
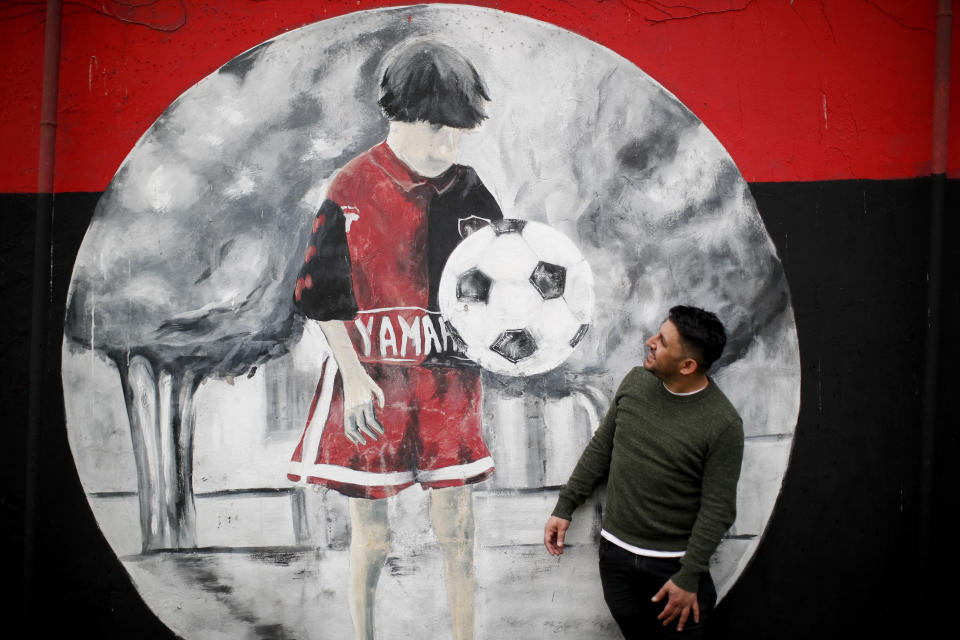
[(359, 415)]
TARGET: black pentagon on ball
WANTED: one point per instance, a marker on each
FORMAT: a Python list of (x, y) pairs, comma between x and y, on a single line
[(508, 225), (515, 345), (473, 286), (549, 279)]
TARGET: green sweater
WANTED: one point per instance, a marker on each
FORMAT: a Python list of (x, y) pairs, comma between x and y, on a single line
[(671, 463)]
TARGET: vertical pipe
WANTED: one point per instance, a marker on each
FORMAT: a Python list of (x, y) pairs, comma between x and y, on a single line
[(41, 291), (941, 88), (941, 110)]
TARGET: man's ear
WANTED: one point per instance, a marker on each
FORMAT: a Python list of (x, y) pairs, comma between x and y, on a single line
[(688, 366)]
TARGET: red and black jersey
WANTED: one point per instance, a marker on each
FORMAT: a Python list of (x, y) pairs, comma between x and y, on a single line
[(379, 244)]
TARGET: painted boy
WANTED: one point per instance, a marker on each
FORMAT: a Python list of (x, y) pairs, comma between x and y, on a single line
[(403, 405)]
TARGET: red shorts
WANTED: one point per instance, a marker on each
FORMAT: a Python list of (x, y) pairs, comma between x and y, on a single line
[(432, 434)]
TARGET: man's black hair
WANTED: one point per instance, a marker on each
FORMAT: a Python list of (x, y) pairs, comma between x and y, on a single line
[(432, 82), (702, 333)]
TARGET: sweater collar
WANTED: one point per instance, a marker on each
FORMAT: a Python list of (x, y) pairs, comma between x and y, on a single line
[(707, 391)]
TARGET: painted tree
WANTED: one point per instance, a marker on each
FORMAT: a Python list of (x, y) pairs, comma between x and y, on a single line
[(188, 268), (173, 296)]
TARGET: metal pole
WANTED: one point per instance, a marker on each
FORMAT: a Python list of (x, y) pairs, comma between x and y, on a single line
[(931, 372), (41, 290)]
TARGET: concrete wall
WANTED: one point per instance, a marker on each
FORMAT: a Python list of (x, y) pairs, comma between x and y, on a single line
[(829, 135)]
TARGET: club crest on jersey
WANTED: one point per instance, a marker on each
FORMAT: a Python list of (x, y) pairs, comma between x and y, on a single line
[(468, 225), (350, 214)]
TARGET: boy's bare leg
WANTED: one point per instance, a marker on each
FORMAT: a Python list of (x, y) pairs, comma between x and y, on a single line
[(369, 545), (451, 513)]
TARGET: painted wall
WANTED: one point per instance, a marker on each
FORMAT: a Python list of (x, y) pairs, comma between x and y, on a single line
[(832, 149)]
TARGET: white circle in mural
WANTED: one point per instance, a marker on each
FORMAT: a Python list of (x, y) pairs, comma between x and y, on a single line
[(185, 364)]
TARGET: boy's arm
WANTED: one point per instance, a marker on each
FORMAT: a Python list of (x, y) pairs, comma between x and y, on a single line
[(359, 389), (324, 294)]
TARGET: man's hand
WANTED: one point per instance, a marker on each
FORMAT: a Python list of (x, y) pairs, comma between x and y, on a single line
[(359, 416), (679, 603), (553, 534)]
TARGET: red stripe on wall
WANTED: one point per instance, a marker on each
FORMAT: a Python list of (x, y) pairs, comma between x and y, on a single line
[(795, 90)]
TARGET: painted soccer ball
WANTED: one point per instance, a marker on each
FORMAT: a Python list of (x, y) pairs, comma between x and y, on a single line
[(518, 295)]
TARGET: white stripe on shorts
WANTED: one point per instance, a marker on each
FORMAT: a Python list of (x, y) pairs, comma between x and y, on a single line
[(456, 472), (390, 479), (351, 476)]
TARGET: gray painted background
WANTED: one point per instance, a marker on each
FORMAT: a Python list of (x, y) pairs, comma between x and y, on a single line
[(204, 225)]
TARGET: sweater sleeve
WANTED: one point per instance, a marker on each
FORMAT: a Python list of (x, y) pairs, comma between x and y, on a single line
[(718, 505), (593, 466)]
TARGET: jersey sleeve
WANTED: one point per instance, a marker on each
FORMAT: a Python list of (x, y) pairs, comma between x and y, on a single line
[(324, 289)]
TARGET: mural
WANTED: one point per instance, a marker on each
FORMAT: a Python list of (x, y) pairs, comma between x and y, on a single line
[(246, 290)]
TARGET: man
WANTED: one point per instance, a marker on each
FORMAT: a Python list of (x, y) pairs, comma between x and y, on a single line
[(670, 448), (369, 285)]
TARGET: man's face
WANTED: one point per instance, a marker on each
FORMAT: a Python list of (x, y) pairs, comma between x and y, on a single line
[(428, 148), (667, 354)]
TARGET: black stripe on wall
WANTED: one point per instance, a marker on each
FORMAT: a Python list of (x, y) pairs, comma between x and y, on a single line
[(839, 554), (80, 586)]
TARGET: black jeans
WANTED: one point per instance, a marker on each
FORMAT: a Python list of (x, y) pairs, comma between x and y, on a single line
[(629, 581)]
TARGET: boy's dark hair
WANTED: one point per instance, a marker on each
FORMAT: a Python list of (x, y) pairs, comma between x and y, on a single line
[(702, 333), (432, 82)]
